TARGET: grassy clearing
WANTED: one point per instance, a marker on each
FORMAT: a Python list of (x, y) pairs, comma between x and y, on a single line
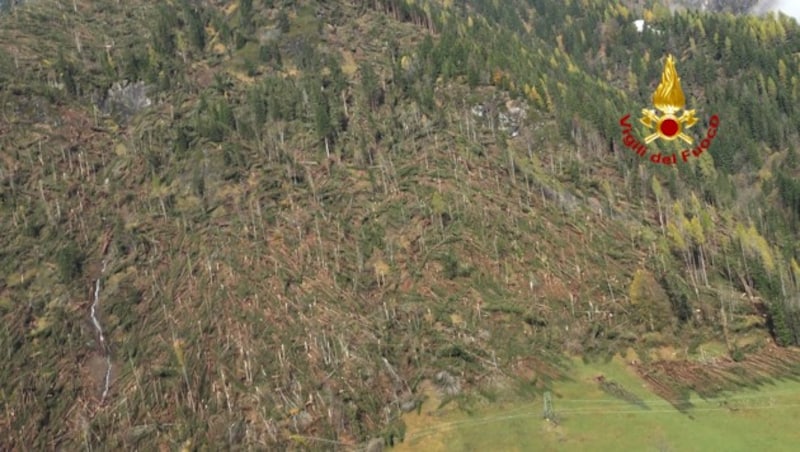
[(592, 419)]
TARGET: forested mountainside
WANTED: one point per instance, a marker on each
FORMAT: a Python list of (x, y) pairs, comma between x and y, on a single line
[(264, 223)]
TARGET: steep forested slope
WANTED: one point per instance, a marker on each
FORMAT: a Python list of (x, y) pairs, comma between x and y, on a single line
[(275, 218)]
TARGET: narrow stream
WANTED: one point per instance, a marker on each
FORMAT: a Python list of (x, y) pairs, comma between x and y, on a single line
[(96, 323)]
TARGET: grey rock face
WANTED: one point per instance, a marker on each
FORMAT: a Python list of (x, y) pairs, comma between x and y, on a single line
[(126, 99)]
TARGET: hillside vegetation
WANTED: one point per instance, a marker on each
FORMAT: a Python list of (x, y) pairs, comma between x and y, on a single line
[(262, 224)]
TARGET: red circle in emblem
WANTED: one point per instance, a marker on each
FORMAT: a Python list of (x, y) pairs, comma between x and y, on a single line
[(669, 127)]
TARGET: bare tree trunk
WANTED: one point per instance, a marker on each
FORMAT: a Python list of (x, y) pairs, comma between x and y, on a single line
[(691, 270), (725, 328), (660, 216), (703, 266)]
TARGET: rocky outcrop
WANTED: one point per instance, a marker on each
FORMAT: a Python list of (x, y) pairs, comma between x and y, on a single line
[(124, 100), (508, 117)]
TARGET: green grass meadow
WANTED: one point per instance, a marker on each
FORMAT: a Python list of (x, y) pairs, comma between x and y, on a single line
[(590, 419)]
